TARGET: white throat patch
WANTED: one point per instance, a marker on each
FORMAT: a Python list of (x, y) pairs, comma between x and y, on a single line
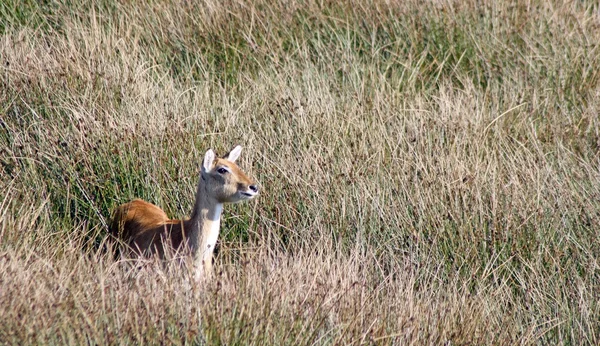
[(213, 226)]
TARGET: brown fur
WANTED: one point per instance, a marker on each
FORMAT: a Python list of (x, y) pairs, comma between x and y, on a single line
[(146, 229), (143, 226)]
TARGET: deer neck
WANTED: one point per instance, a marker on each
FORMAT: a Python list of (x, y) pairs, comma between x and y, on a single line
[(204, 225)]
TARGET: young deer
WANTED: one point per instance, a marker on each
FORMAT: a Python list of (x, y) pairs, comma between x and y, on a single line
[(147, 229)]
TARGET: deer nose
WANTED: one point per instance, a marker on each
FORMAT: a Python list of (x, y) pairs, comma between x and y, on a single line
[(254, 188)]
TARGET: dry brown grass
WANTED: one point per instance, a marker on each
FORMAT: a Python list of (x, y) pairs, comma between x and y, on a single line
[(430, 173)]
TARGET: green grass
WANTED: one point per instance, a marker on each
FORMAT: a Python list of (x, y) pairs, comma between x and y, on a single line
[(429, 173)]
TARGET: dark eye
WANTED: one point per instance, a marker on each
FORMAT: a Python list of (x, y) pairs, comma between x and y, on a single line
[(222, 170)]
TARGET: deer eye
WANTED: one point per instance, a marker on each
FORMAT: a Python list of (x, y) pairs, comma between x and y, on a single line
[(222, 170)]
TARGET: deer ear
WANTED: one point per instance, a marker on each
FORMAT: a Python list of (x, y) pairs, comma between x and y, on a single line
[(209, 159), (234, 154)]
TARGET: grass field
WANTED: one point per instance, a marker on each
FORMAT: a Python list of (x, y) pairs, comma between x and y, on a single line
[(430, 170)]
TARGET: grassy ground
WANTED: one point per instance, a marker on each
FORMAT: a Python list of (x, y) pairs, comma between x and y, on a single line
[(430, 171)]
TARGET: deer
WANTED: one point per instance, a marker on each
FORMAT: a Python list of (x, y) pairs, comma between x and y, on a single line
[(147, 231)]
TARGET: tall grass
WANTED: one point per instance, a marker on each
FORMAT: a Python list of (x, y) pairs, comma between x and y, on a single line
[(430, 170)]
